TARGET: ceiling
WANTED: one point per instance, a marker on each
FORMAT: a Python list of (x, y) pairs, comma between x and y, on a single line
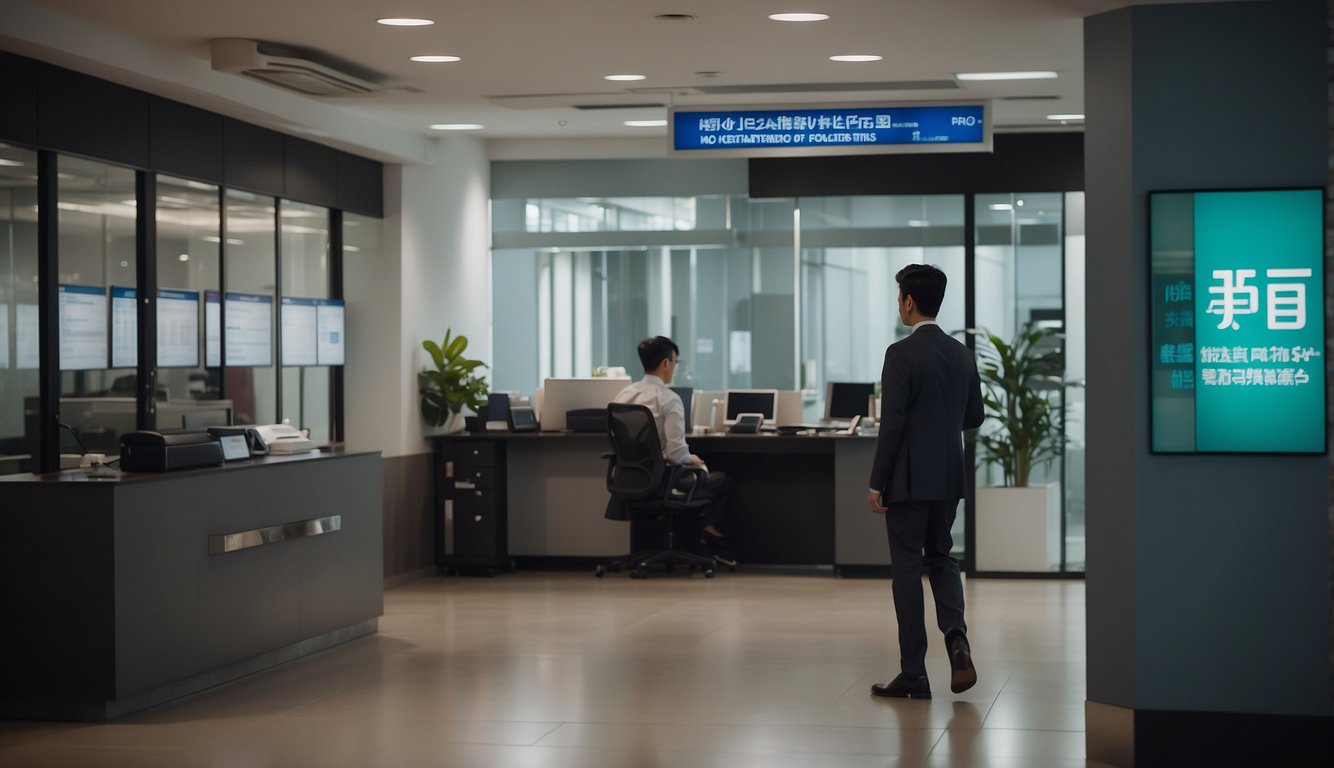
[(528, 66)]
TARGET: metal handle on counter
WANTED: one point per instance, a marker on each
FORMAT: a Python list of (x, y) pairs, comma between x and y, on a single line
[(221, 543)]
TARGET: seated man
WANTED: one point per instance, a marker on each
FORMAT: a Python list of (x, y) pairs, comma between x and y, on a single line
[(660, 357)]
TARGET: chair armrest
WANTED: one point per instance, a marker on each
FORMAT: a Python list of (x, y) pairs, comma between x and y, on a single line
[(682, 482)]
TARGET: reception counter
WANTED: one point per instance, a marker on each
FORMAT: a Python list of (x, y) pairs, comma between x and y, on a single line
[(123, 591), (799, 499)]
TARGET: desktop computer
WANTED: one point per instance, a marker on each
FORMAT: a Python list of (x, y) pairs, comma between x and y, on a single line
[(560, 396)]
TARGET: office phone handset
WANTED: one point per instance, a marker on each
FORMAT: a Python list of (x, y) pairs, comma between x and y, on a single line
[(280, 438)]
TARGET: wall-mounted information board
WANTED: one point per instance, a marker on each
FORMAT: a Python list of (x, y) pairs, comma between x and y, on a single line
[(1237, 321)]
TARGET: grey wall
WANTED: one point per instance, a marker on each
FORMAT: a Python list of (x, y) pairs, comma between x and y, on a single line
[(1208, 583)]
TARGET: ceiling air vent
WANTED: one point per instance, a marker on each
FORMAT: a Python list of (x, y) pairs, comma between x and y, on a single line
[(272, 65)]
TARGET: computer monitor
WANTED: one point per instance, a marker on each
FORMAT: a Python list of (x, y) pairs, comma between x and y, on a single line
[(203, 418), (761, 401), (702, 412), (844, 400), (686, 394), (560, 396)]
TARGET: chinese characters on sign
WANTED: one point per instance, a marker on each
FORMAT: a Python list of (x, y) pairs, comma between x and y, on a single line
[(1237, 323), (840, 127)]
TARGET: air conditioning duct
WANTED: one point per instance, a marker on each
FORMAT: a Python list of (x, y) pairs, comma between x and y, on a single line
[(275, 66)]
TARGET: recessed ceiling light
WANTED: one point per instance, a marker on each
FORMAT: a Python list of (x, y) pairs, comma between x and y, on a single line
[(404, 22), (435, 59), (855, 57), (798, 16), (1001, 207), (1065, 117), (184, 257), (1035, 75), (457, 127), (625, 77), (645, 123)]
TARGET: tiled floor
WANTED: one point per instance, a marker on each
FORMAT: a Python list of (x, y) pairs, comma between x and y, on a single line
[(562, 669)]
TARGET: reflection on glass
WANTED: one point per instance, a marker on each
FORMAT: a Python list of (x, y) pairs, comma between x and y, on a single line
[(250, 254), (97, 246), (19, 384), (305, 275), (1020, 267)]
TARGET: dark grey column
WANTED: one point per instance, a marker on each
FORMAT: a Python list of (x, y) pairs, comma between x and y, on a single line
[(1208, 576)]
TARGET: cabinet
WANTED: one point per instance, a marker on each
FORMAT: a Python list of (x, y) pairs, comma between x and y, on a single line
[(471, 531)]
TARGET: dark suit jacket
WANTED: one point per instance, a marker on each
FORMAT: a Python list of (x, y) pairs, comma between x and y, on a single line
[(930, 393)]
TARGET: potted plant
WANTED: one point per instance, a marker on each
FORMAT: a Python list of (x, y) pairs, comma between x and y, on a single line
[(453, 385), (1018, 524)]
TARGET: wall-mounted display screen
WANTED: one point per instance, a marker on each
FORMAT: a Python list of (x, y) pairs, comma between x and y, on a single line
[(1237, 321), (249, 330), (83, 327), (212, 329), (27, 353), (331, 326), (830, 130), (177, 329), (298, 331), (124, 328)]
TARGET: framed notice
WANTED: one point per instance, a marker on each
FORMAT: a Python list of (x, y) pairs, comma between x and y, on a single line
[(1237, 333), (27, 354), (249, 330), (83, 327)]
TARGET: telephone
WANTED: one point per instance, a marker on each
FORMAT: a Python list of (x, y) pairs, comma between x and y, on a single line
[(280, 438)]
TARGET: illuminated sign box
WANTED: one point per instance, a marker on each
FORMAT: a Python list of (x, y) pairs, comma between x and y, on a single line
[(830, 130), (1237, 325)]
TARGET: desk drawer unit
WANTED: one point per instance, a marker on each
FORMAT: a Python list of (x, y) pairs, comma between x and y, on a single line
[(470, 505)]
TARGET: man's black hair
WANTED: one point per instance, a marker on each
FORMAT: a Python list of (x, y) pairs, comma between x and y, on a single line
[(653, 351), (925, 284)]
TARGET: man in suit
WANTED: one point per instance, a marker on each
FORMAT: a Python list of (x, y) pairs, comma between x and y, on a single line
[(930, 393)]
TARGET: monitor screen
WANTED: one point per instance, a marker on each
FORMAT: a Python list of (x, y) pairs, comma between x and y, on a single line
[(846, 399), (762, 401), (686, 394)]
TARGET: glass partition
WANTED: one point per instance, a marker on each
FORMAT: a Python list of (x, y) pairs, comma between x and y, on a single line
[(189, 243), (305, 275), (98, 330), (19, 384), (249, 309)]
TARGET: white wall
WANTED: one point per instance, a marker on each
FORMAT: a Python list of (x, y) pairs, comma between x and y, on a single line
[(432, 275)]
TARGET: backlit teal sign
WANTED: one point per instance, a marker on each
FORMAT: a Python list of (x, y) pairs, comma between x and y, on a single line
[(1237, 312)]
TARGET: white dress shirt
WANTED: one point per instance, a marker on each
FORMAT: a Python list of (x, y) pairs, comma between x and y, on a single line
[(668, 412)]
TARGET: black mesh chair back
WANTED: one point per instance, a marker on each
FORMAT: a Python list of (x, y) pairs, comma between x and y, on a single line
[(636, 473)]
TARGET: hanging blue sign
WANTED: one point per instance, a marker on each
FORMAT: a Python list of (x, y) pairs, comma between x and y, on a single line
[(832, 130)]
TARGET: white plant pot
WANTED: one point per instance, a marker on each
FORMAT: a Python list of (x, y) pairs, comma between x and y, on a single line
[(1018, 529)]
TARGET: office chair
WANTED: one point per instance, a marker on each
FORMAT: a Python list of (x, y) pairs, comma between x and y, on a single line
[(651, 489)]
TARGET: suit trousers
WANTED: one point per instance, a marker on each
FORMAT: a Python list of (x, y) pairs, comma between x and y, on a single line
[(919, 537)]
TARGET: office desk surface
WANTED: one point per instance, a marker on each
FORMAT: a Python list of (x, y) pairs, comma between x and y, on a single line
[(117, 477)]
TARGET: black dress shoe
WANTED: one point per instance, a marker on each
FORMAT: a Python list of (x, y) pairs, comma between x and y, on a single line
[(962, 674), (903, 687)]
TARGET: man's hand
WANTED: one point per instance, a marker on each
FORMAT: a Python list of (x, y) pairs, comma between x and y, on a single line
[(873, 501), (698, 462)]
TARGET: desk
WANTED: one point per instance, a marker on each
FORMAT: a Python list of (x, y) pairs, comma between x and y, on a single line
[(799, 499), (112, 600)]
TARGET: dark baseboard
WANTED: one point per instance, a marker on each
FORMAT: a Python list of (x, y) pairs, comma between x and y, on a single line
[(1222, 739)]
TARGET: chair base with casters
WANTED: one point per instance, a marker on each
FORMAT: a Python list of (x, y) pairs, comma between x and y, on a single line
[(668, 555)]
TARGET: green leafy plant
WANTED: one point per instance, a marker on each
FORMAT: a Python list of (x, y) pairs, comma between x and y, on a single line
[(1018, 378), (454, 384)]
